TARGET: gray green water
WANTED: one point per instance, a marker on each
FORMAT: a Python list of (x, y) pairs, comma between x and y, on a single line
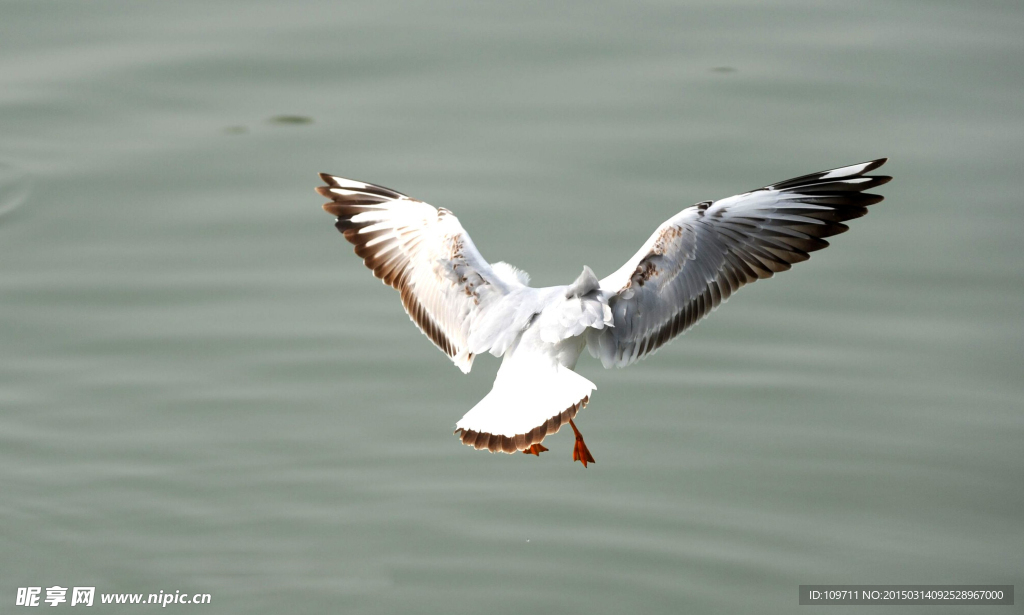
[(201, 388)]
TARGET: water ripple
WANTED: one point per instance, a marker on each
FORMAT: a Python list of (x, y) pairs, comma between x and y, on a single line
[(15, 186)]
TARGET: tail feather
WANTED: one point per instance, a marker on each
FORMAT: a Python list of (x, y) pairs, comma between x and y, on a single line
[(530, 400)]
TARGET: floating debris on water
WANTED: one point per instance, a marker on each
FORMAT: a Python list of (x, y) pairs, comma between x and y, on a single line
[(290, 119)]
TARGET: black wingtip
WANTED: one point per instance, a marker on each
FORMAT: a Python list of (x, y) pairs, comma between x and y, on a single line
[(849, 172), (871, 165)]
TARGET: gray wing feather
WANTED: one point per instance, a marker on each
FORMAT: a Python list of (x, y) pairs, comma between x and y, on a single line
[(703, 254)]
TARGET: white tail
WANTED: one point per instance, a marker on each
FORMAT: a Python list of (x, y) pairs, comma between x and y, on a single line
[(533, 396)]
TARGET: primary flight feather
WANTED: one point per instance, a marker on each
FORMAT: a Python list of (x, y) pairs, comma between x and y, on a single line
[(692, 263)]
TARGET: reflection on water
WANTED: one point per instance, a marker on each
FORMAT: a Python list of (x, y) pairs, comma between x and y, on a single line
[(202, 388)]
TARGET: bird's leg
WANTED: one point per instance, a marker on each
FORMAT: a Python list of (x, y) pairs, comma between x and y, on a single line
[(580, 452), (535, 449)]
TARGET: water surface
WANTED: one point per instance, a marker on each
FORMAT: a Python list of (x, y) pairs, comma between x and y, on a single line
[(201, 389)]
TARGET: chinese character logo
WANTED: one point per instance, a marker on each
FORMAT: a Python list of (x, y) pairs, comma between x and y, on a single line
[(82, 595), (55, 595), (28, 596)]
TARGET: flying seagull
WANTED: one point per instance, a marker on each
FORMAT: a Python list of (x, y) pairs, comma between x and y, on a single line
[(692, 263)]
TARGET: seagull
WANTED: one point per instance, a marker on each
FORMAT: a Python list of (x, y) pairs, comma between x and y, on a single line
[(691, 264)]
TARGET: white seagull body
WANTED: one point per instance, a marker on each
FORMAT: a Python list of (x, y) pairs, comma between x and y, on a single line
[(691, 264)]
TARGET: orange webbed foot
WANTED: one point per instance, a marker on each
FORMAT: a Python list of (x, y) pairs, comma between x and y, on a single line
[(580, 452), (535, 449)]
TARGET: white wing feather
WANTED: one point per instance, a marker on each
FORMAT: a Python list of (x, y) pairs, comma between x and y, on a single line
[(424, 253)]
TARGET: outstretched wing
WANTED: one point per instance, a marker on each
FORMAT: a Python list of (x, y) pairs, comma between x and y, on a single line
[(424, 253), (703, 254)]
